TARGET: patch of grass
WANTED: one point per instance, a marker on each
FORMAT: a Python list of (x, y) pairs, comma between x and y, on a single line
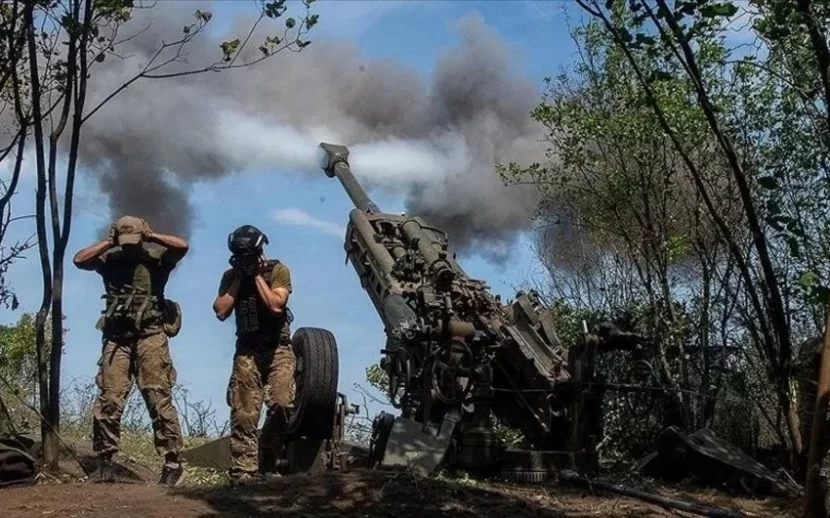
[(136, 447), (197, 476), (459, 477)]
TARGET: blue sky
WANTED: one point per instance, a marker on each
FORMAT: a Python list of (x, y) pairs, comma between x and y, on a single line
[(326, 291)]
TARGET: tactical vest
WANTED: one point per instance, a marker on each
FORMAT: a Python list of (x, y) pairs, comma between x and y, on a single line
[(134, 292), (253, 318)]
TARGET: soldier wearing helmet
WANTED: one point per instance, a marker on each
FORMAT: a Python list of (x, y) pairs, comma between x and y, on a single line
[(135, 264), (257, 291)]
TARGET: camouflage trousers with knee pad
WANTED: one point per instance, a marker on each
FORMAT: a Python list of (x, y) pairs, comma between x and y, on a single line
[(147, 361), (260, 375)]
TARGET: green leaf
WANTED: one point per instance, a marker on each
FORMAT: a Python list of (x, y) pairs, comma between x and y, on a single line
[(808, 279), (642, 39), (203, 16), (290, 23), (719, 10), (275, 9), (229, 48)]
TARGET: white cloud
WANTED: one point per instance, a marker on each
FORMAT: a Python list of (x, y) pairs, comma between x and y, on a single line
[(301, 218)]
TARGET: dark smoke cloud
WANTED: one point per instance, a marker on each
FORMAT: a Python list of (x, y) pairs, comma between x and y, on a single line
[(437, 144)]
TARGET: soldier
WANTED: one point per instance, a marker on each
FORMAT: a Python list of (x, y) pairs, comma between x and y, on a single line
[(257, 290), (135, 264)]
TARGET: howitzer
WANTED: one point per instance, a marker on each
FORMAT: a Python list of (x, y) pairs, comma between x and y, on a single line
[(456, 355)]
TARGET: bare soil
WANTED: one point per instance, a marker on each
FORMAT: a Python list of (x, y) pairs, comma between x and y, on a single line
[(353, 494)]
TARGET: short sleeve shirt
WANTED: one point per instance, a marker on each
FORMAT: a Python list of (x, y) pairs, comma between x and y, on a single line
[(280, 278)]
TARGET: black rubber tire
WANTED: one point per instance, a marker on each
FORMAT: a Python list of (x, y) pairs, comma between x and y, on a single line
[(316, 381)]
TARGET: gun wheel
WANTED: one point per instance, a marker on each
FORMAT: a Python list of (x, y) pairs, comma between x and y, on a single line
[(316, 379)]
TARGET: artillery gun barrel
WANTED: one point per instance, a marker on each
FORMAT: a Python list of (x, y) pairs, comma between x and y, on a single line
[(335, 162)]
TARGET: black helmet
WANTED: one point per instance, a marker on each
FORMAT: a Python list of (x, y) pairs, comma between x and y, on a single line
[(247, 240)]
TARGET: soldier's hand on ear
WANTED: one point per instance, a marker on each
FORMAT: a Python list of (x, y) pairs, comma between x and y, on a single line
[(146, 231), (112, 235)]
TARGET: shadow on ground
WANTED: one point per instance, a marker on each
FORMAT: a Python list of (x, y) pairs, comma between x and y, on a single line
[(352, 494), (373, 493)]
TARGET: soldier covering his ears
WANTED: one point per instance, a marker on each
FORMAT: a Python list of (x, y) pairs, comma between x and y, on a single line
[(257, 291), (135, 264)]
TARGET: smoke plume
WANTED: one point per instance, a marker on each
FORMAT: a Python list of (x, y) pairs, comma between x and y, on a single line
[(437, 144)]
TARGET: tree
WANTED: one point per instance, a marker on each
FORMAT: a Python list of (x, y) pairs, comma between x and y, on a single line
[(773, 270), (623, 232), (685, 186), (60, 43)]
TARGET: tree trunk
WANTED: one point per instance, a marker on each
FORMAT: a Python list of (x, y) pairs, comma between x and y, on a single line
[(75, 91), (792, 422), (49, 443), (53, 415)]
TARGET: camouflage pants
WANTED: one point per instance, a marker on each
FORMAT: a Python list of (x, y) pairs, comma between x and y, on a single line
[(260, 375), (147, 360)]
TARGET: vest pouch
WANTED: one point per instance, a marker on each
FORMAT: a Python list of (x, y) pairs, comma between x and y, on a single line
[(130, 312), (172, 319)]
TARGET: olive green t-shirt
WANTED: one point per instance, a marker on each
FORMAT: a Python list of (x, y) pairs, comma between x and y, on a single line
[(280, 278)]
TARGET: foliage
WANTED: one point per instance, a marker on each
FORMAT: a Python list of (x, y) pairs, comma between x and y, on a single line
[(377, 378), (684, 194), (18, 372), (756, 107)]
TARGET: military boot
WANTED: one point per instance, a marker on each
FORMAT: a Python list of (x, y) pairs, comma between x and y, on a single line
[(172, 474)]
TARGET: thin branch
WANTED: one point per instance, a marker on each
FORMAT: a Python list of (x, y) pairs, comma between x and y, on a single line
[(148, 72), (18, 164), (248, 37)]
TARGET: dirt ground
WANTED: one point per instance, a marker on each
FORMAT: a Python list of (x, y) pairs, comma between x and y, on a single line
[(354, 493)]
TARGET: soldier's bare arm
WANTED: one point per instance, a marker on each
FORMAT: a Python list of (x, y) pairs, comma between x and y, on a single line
[(176, 247), (276, 295), (274, 298), (88, 258), (228, 291)]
